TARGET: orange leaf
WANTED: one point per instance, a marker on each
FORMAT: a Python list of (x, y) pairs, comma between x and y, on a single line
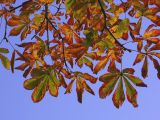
[(102, 63), (139, 58), (89, 77), (152, 33)]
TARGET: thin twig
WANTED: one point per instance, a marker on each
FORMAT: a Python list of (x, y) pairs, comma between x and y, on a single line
[(63, 46), (105, 27), (46, 16)]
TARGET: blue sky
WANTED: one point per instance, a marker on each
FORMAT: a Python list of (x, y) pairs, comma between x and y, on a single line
[(16, 103)]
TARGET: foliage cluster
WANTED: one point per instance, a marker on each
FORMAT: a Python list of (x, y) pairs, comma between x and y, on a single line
[(78, 33)]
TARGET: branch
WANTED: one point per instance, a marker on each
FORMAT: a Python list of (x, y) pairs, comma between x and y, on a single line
[(105, 27), (63, 46), (46, 16)]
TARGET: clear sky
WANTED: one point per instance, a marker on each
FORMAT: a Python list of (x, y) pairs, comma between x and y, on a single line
[(16, 103)]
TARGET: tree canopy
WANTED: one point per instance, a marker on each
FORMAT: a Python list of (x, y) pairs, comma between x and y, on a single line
[(55, 36)]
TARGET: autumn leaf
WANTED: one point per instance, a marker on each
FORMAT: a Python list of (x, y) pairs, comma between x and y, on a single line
[(118, 96)]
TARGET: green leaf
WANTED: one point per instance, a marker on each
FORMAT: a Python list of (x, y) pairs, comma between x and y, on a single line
[(5, 61), (54, 78), (107, 77), (4, 50), (40, 90), (36, 72), (53, 89), (89, 37), (136, 80), (31, 83), (69, 3)]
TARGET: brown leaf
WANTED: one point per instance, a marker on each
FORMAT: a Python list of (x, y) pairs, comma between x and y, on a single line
[(129, 70), (144, 70), (27, 71), (12, 61), (79, 90)]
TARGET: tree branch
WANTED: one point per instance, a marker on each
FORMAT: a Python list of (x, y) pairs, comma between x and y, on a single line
[(63, 46), (105, 27)]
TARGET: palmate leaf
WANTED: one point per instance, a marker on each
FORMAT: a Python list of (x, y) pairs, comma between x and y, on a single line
[(43, 80), (125, 76), (81, 84), (22, 26), (151, 51)]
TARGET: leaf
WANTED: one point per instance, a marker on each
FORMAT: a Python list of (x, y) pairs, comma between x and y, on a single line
[(144, 70), (39, 91), (22, 67), (129, 70), (53, 89), (36, 72), (62, 81), (16, 31), (118, 96), (139, 58), (69, 87), (79, 90), (27, 71), (4, 50), (156, 66), (107, 88), (31, 83), (12, 61), (55, 79), (87, 88), (136, 80), (69, 3), (152, 33), (102, 63), (5, 61), (86, 76), (131, 93), (107, 77)]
